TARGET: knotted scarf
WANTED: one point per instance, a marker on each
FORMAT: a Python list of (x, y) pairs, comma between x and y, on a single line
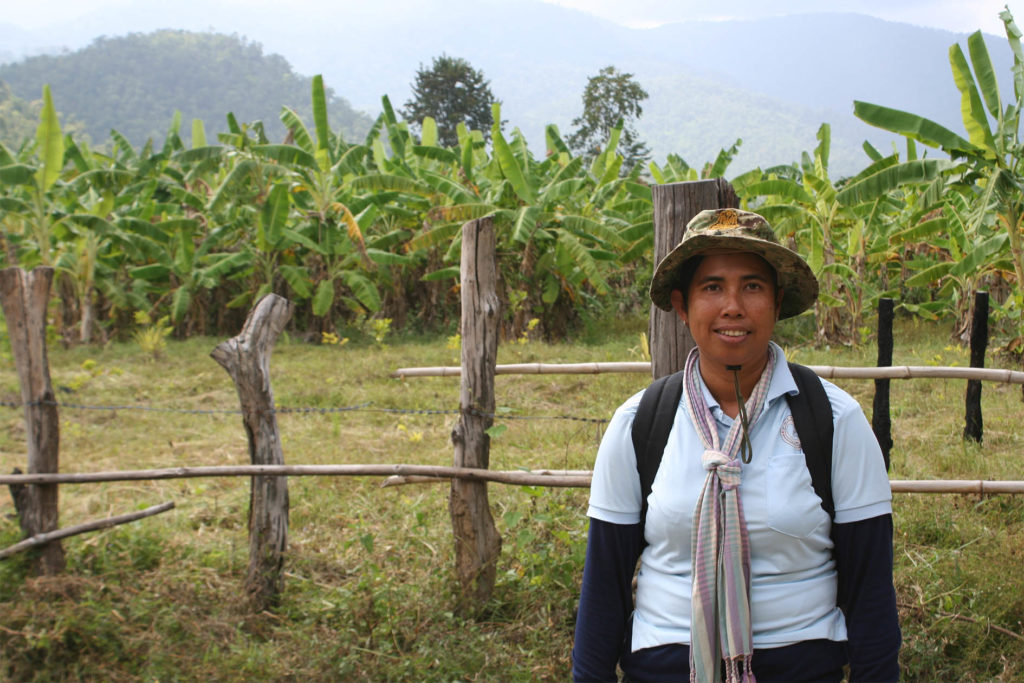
[(720, 627)]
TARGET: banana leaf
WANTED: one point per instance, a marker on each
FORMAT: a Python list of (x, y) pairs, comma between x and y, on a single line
[(319, 97), (297, 278), (286, 154), (13, 205), (588, 228), (912, 126), (273, 217), (49, 144), (785, 189), (387, 258), (871, 187), (972, 111), (324, 297), (433, 153), (154, 272), (448, 187), (450, 273), (428, 132), (198, 133), (510, 167), (363, 289), (981, 256), (526, 224), (180, 302), (16, 174), (238, 175), (920, 232), (376, 182)]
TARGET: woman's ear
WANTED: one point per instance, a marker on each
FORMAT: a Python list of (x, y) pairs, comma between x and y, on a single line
[(679, 304), (778, 303)]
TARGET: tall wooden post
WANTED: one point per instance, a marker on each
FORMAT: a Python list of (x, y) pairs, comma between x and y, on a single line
[(881, 420), (247, 359), (674, 205), (973, 423), (24, 297), (477, 543)]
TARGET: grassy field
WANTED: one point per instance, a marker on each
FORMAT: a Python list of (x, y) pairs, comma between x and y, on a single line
[(369, 585)]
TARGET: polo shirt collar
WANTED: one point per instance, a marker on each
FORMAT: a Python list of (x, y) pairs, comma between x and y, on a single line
[(782, 383)]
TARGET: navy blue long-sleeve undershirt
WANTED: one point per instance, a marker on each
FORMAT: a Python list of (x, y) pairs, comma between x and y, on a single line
[(863, 554)]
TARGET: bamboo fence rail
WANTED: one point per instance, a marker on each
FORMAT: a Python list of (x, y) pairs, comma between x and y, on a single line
[(826, 371), (403, 474), (41, 539)]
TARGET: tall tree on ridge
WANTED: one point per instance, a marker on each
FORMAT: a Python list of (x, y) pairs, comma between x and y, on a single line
[(451, 92), (610, 97)]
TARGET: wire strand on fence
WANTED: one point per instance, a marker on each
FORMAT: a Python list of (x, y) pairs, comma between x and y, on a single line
[(303, 410)]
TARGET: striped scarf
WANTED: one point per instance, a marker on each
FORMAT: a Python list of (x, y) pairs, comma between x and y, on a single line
[(720, 627)]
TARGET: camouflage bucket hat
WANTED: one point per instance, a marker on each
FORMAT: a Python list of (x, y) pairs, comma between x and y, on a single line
[(742, 231)]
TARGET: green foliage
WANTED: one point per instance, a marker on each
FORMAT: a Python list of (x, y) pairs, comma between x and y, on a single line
[(448, 93), (611, 100), (369, 229), (151, 336), (989, 164)]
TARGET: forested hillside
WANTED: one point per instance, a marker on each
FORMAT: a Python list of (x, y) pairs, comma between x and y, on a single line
[(135, 83)]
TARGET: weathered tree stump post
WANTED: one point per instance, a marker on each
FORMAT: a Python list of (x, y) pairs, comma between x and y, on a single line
[(247, 359), (24, 297), (674, 205), (881, 421), (973, 423), (477, 543)]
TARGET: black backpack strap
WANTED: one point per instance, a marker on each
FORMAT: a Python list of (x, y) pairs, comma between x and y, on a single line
[(651, 426), (812, 416)]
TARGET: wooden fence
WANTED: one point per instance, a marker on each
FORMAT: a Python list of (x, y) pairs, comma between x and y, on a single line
[(246, 359)]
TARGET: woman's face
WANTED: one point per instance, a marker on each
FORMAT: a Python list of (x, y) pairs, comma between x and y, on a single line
[(731, 306)]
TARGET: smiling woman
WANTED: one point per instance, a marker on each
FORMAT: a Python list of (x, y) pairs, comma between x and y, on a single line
[(739, 555)]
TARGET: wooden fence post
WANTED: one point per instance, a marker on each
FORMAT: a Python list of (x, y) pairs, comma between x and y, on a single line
[(674, 205), (24, 297), (477, 543), (973, 425), (247, 359), (881, 421)]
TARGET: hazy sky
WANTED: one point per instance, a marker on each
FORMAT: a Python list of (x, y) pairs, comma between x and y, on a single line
[(962, 16)]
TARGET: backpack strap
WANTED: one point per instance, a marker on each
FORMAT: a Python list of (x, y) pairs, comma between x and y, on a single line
[(812, 416), (651, 426)]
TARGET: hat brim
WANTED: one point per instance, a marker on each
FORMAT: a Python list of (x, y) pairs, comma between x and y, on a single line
[(796, 279)]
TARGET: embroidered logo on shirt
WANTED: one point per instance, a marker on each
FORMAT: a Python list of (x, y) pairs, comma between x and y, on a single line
[(788, 433)]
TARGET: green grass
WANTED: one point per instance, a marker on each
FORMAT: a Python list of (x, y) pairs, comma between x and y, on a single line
[(369, 588)]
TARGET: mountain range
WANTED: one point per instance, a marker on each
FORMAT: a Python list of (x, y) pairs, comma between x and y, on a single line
[(770, 82)]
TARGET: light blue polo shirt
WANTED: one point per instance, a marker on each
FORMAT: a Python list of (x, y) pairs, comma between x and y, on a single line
[(793, 577)]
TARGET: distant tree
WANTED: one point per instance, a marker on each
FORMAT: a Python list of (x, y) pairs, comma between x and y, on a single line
[(451, 91), (609, 97)]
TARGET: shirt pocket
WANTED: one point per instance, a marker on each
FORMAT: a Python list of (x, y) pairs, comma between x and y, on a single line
[(794, 509)]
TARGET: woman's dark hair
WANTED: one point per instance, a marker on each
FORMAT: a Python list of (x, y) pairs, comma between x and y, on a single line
[(684, 276)]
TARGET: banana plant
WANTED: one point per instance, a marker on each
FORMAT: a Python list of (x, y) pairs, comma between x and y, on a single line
[(32, 212), (991, 153), (805, 209)]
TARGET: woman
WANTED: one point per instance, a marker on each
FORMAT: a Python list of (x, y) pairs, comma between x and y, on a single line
[(732, 502)]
